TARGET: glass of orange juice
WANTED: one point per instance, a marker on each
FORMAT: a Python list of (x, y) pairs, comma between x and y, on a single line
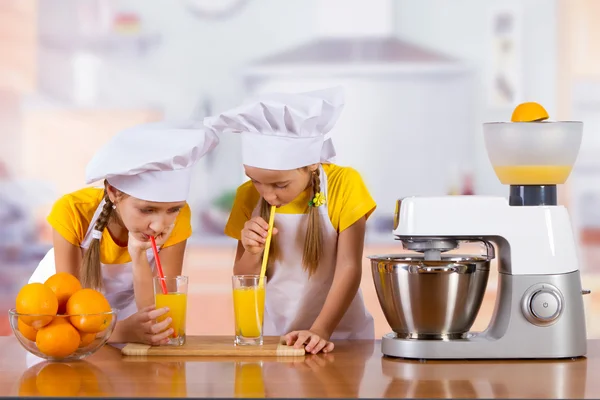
[(175, 299), (248, 308)]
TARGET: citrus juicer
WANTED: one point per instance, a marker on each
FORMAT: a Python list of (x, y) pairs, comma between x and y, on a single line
[(432, 293)]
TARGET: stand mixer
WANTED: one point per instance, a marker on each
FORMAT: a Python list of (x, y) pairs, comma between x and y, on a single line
[(432, 293)]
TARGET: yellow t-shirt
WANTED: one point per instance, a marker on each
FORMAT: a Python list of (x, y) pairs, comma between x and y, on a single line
[(348, 200), (71, 216)]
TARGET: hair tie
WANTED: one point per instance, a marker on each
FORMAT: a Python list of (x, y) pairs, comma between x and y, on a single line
[(96, 234), (317, 201)]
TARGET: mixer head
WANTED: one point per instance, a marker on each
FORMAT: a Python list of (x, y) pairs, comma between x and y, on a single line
[(432, 248), (435, 248)]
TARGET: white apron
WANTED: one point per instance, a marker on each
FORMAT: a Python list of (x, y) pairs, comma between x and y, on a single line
[(293, 301), (117, 278)]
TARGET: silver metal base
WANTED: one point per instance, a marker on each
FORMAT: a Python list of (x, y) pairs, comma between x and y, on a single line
[(425, 336), (511, 334)]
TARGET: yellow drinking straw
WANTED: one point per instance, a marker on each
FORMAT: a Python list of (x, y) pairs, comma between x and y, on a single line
[(263, 270)]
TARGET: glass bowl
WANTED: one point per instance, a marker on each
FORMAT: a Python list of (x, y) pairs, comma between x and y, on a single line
[(90, 342), (533, 153)]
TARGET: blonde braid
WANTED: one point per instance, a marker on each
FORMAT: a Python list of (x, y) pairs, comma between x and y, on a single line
[(91, 272), (313, 243)]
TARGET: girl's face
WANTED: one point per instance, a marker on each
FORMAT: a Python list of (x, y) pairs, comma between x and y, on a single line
[(279, 188), (143, 218)]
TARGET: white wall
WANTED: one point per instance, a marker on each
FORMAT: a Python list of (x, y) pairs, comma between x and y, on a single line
[(202, 57)]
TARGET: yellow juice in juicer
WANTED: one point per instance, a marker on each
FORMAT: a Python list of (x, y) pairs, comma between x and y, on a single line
[(533, 174)]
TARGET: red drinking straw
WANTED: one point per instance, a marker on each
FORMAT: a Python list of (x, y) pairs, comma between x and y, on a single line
[(160, 270)]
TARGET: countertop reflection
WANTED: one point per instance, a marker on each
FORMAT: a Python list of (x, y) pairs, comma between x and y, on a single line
[(354, 369)]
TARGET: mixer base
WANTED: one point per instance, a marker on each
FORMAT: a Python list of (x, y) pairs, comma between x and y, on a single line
[(450, 336), (457, 349)]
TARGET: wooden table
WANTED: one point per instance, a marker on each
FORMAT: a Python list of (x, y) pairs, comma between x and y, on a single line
[(354, 369)]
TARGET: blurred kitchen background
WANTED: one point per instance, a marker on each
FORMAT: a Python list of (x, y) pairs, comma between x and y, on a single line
[(421, 76)]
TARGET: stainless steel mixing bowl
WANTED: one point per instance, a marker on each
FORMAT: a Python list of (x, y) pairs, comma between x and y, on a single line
[(426, 299)]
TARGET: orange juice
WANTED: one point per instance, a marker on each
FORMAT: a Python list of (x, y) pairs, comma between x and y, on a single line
[(249, 307), (533, 174), (177, 303), (249, 380), (171, 378)]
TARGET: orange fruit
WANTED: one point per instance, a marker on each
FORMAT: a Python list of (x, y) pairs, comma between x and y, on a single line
[(89, 373), (36, 298), (26, 330), (86, 338), (63, 285), (529, 112), (58, 379), (27, 385), (85, 302), (58, 339)]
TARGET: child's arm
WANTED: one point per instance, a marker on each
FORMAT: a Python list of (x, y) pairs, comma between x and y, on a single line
[(250, 249), (67, 256), (246, 263), (346, 279), (250, 232)]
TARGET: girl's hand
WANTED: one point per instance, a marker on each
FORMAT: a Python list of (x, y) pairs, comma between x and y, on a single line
[(137, 246), (142, 327), (254, 235), (314, 343)]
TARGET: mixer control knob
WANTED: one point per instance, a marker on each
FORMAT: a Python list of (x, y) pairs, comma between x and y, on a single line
[(543, 304)]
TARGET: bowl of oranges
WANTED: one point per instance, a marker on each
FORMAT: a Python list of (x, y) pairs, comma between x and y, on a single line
[(59, 320)]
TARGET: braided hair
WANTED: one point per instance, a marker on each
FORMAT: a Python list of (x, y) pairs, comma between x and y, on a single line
[(91, 273), (313, 242)]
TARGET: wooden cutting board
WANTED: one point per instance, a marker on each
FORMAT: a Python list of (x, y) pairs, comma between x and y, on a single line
[(214, 346)]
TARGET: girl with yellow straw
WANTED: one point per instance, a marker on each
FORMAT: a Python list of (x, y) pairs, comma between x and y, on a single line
[(314, 271)]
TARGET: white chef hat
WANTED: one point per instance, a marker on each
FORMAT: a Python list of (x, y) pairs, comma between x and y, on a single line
[(152, 161), (283, 131)]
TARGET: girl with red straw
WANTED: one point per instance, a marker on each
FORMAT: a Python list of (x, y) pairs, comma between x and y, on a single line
[(102, 235)]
